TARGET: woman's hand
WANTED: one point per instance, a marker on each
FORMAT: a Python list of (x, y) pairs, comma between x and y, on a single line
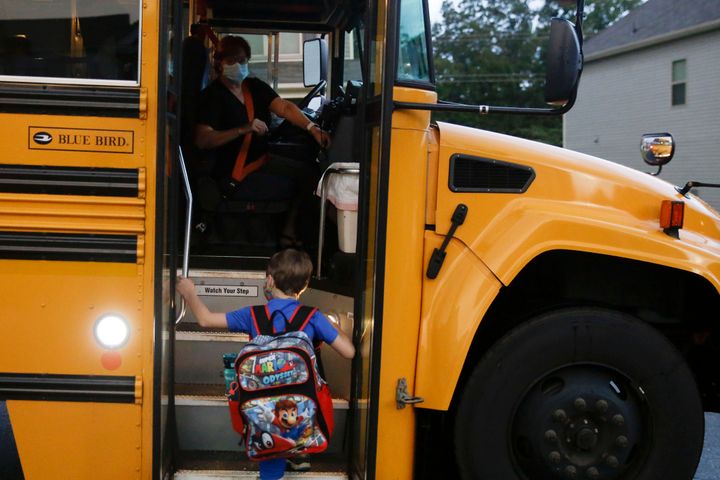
[(258, 127), (321, 136)]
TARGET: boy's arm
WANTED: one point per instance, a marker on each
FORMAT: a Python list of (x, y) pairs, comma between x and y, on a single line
[(205, 317), (343, 345)]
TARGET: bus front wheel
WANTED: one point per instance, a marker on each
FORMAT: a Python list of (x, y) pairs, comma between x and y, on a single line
[(580, 393)]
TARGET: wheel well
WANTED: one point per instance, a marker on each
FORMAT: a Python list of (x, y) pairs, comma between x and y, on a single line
[(673, 301)]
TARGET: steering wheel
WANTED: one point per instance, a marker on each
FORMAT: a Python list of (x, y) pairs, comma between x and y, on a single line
[(312, 94)]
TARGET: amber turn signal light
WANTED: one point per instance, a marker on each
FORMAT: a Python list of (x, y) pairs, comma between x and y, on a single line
[(672, 214)]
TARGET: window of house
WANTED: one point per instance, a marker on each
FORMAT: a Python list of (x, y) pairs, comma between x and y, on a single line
[(290, 47), (93, 42), (679, 82)]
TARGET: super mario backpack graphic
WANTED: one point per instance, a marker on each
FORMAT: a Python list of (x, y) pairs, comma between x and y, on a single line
[(279, 402)]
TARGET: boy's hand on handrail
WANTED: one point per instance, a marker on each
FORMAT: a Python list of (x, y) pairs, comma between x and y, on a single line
[(204, 317), (185, 287)]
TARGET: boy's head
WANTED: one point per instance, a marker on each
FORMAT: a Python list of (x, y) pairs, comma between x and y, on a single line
[(290, 271)]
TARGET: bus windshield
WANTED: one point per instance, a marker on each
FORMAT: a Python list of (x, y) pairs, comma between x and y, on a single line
[(413, 62)]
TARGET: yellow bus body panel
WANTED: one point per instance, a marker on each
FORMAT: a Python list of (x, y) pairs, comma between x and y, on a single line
[(54, 308), (74, 440), (403, 283), (453, 305), (50, 307), (576, 202)]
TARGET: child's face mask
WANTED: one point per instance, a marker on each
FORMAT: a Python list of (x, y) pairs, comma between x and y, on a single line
[(236, 72)]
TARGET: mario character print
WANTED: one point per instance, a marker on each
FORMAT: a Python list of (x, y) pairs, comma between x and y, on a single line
[(281, 425)]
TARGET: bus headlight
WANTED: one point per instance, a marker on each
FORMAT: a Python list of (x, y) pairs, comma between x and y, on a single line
[(112, 331)]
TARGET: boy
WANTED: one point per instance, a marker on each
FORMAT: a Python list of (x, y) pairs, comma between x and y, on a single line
[(287, 277)]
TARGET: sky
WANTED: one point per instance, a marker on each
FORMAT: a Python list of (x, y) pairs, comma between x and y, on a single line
[(434, 9)]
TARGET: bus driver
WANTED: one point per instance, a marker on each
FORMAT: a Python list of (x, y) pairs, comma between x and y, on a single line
[(233, 116)]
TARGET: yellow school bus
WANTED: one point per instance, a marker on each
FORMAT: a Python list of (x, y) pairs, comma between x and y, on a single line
[(520, 311)]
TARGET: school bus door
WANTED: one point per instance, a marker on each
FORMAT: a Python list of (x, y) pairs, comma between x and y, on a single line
[(392, 202)]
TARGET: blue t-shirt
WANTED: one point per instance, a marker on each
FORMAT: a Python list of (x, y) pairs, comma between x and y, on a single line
[(318, 328)]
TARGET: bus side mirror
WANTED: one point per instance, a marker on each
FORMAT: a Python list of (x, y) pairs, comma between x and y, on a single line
[(657, 149), (314, 61), (564, 63)]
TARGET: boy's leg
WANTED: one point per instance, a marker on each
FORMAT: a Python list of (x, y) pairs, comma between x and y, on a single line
[(272, 469)]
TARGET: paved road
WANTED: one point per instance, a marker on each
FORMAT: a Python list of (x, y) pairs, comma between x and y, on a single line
[(709, 468)]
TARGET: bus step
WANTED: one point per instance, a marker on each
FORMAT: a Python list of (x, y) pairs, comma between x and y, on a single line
[(199, 353), (194, 465), (203, 420)]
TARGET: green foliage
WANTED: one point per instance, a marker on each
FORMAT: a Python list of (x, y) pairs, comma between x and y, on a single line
[(493, 52)]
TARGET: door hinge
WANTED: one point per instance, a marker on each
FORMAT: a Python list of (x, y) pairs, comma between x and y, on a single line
[(143, 104), (401, 396)]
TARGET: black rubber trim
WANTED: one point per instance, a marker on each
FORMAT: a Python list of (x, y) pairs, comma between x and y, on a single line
[(121, 102), (104, 182), (67, 388), (68, 247)]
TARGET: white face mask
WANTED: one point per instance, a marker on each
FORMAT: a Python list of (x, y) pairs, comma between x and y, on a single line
[(236, 72)]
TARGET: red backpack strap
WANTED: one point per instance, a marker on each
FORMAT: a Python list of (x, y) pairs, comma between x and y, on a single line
[(300, 318), (241, 168), (261, 320)]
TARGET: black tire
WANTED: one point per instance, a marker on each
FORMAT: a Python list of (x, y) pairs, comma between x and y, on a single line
[(580, 393)]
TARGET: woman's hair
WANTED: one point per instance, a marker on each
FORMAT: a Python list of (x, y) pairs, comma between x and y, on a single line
[(290, 270), (231, 45)]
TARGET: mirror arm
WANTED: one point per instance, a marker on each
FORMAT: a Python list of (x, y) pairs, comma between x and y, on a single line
[(443, 106), (692, 184), (655, 174), (579, 13)]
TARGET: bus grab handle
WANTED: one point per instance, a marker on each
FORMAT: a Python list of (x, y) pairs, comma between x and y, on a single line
[(188, 224)]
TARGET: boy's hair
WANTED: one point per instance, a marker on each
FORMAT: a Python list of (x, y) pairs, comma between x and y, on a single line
[(291, 270)]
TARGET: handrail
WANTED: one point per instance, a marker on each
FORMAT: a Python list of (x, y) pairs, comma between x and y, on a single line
[(188, 224), (323, 196)]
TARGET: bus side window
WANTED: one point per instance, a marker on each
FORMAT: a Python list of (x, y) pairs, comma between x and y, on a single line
[(70, 41)]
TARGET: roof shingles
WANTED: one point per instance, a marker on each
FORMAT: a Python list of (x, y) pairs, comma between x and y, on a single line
[(652, 19)]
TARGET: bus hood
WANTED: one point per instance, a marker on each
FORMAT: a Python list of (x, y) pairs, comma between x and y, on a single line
[(575, 189)]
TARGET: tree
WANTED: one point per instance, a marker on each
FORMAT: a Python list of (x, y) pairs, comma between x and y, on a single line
[(493, 52)]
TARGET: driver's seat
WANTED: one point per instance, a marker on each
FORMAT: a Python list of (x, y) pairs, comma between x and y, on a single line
[(250, 216)]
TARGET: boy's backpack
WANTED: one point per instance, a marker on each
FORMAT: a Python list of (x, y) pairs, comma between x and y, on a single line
[(278, 400)]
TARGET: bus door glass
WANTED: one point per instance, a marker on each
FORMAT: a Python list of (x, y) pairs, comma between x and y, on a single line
[(371, 242), (70, 41), (170, 219)]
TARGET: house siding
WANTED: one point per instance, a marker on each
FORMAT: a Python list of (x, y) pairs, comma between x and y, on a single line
[(624, 96)]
